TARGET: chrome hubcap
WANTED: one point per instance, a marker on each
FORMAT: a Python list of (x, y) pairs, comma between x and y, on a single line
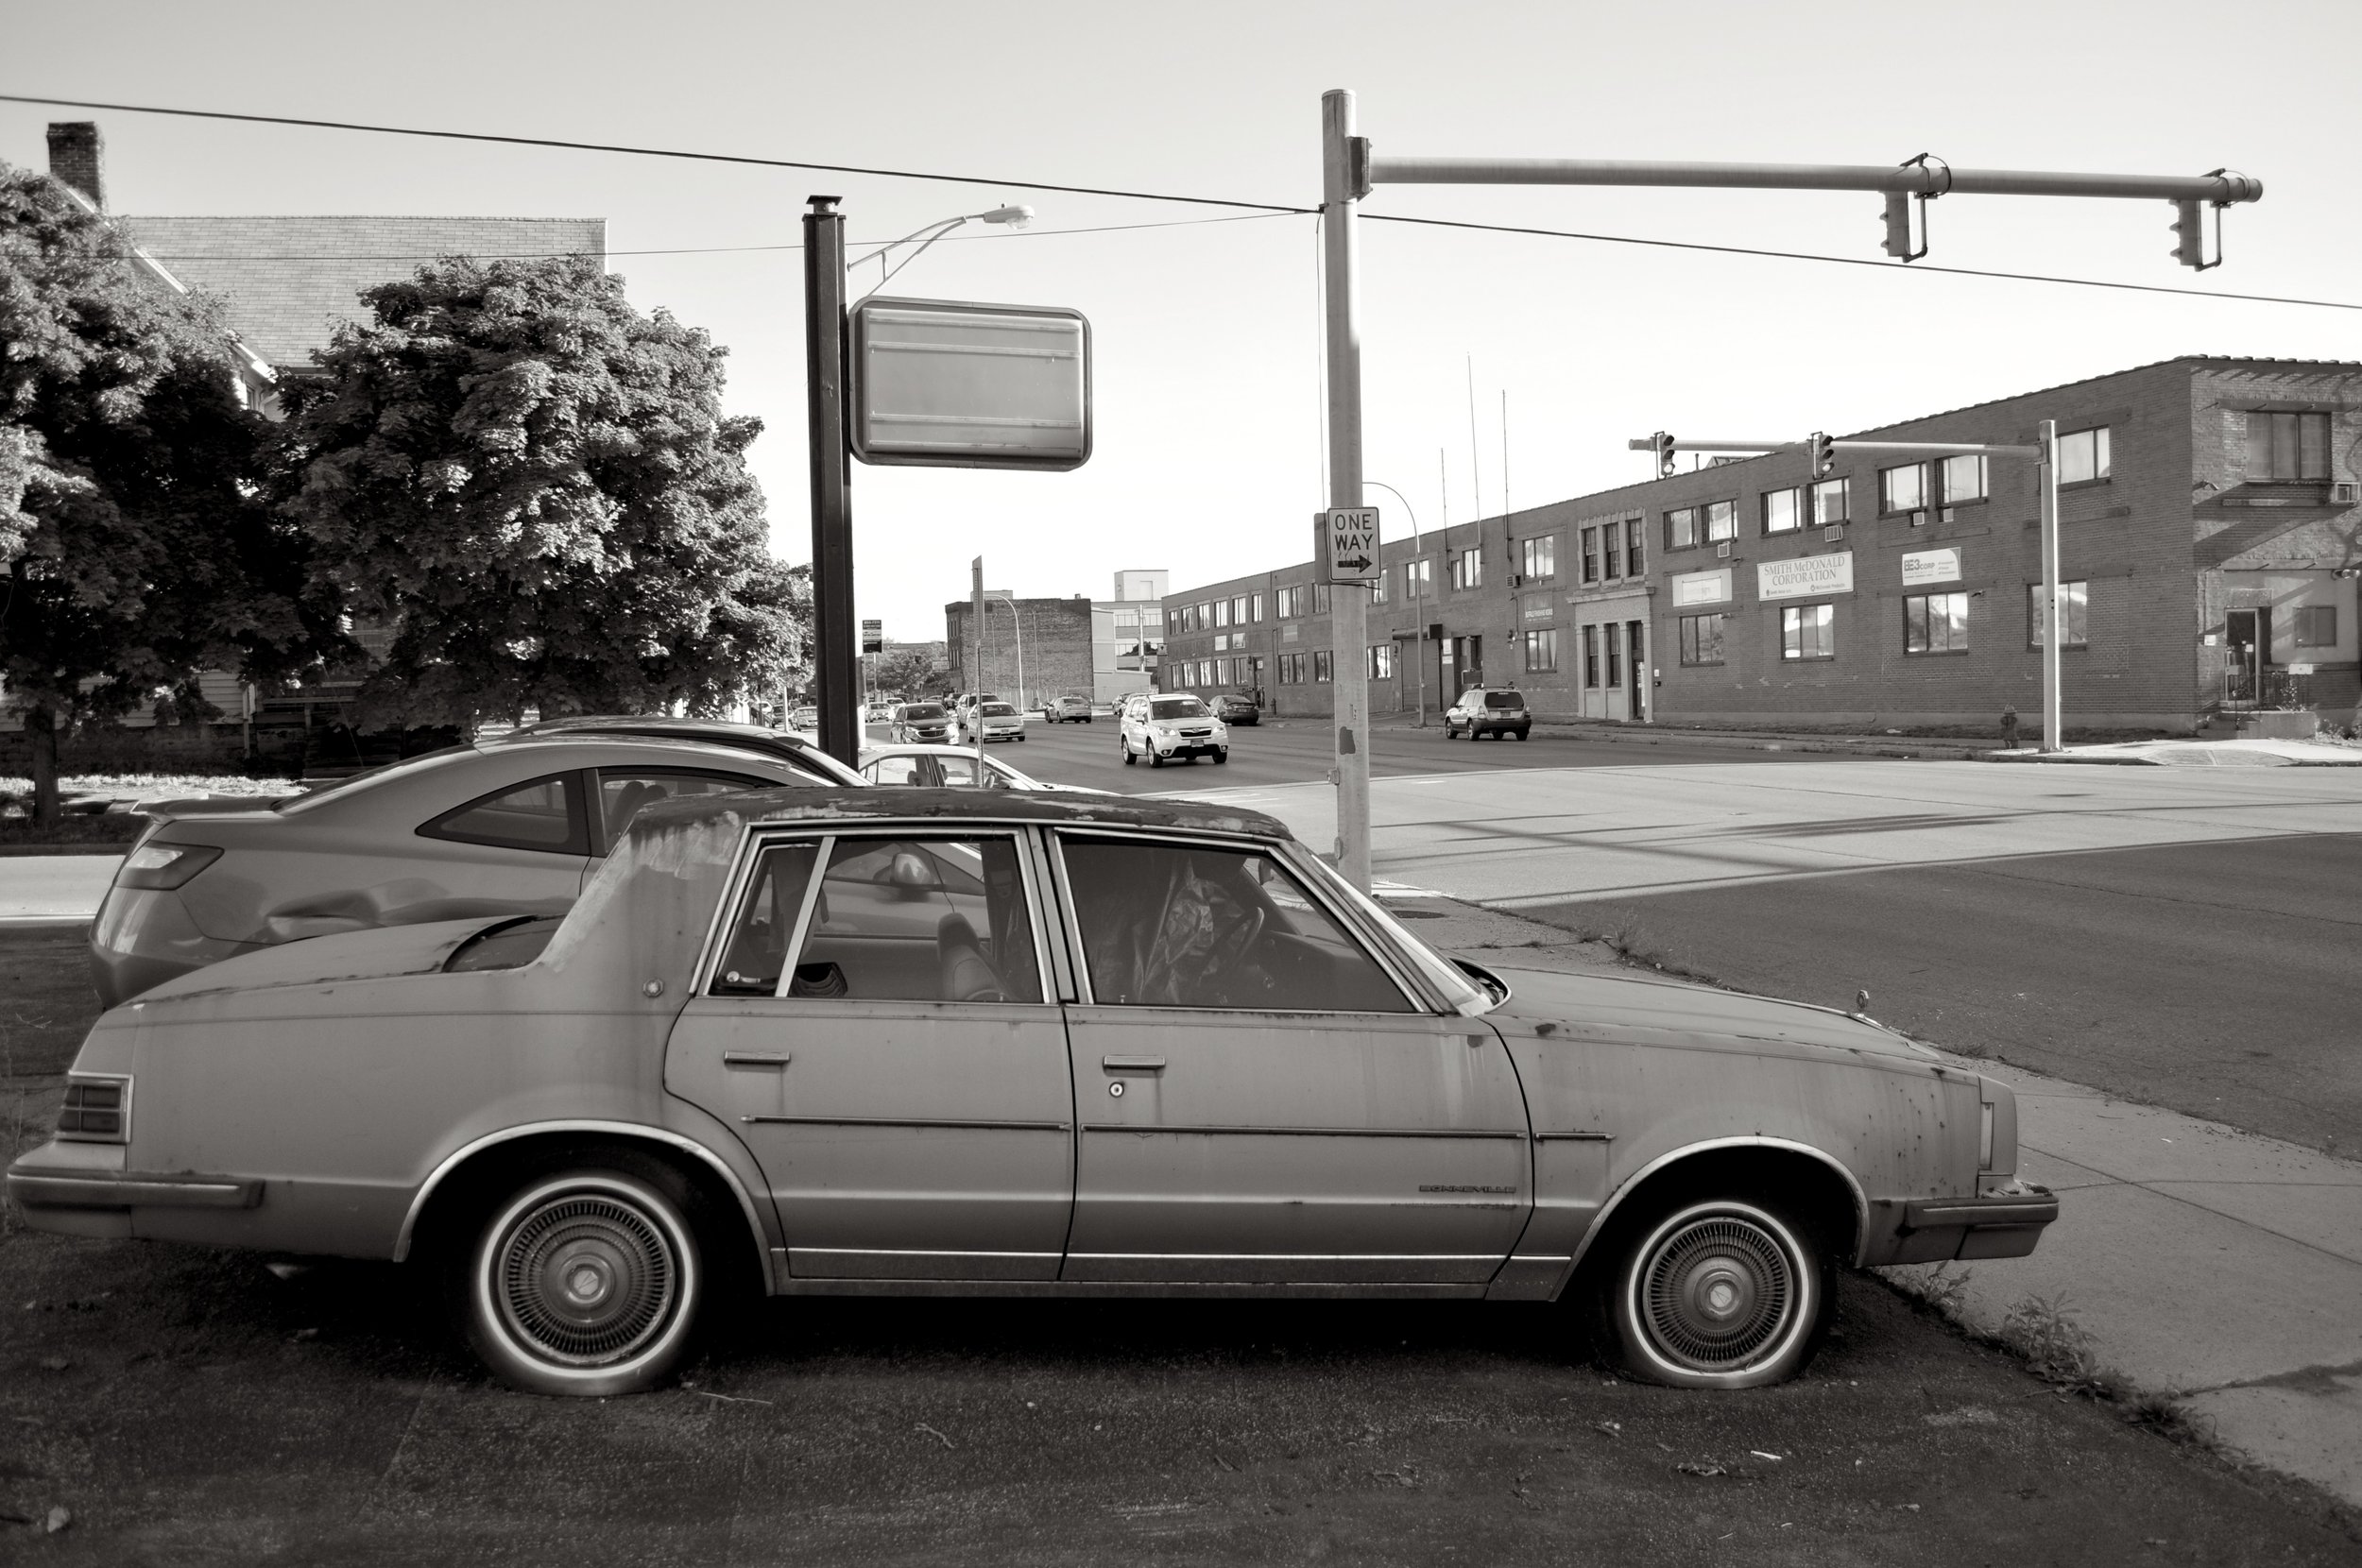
[(587, 1280), (1716, 1292)]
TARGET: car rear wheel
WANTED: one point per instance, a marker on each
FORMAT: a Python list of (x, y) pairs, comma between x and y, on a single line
[(587, 1281), (1521, 735), (1716, 1294), (1126, 747)]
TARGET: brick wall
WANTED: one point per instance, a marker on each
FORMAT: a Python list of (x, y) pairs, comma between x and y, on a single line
[(1057, 648)]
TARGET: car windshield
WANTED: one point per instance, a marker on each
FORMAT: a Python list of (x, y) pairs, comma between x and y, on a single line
[(1176, 707), (997, 710), (923, 711), (1504, 699), (350, 782)]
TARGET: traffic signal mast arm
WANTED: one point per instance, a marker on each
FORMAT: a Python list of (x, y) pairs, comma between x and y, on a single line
[(1931, 449)]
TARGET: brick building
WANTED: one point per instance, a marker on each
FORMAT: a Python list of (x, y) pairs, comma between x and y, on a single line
[(2209, 547), (1032, 648)]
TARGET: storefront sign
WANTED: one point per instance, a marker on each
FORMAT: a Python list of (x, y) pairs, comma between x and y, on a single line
[(1702, 588), (1539, 610), (1804, 575), (1923, 567)]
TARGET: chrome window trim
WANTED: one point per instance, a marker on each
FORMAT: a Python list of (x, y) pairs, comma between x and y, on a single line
[(820, 859), (1052, 903), (1422, 1005)]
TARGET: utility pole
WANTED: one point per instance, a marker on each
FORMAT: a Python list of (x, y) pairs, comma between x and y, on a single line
[(1349, 169), (2054, 621), (1342, 184), (834, 627), (976, 665)]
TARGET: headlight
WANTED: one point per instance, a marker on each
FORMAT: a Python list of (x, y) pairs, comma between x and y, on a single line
[(164, 867)]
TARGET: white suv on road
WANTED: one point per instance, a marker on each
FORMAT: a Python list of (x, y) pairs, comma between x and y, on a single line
[(1171, 729)]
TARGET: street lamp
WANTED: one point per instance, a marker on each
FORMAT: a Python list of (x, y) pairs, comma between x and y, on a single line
[(1418, 614), (1014, 217)]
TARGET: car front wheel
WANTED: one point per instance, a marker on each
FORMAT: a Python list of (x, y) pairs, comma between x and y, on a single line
[(1222, 754), (1716, 1294), (586, 1281)]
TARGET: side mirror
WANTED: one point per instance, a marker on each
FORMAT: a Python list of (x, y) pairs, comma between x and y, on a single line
[(909, 874)]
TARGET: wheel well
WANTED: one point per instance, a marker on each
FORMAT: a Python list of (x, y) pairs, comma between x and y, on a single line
[(1809, 1186), (467, 1190)]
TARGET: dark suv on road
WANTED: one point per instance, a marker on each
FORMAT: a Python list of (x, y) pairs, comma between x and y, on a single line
[(1234, 708), (1483, 710)]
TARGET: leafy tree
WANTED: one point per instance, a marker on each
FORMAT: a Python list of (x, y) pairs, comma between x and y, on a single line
[(533, 488), (135, 551), (910, 671)]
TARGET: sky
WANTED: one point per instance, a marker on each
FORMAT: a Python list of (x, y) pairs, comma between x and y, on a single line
[(1207, 334)]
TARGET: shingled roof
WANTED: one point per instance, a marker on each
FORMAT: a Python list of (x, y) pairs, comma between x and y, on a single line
[(288, 280)]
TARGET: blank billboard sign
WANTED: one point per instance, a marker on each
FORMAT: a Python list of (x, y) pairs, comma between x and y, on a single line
[(949, 383)]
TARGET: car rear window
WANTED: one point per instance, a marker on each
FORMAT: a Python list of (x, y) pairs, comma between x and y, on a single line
[(546, 814), (923, 711), (994, 711), (1504, 699)]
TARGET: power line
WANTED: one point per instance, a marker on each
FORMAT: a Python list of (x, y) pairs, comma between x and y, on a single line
[(1860, 261), (641, 152), (1257, 207)]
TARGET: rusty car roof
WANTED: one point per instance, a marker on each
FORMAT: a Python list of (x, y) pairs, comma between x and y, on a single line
[(866, 804)]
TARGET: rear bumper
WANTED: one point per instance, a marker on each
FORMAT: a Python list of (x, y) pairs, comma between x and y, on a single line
[(2006, 1221), (66, 1186), (144, 937)]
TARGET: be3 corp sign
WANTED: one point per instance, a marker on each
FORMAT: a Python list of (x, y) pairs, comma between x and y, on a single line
[(1925, 568), (1806, 576)]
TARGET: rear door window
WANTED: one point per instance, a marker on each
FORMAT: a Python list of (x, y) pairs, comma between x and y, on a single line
[(623, 792), (546, 814)]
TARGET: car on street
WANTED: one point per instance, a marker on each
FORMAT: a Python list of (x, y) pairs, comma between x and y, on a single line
[(1059, 710), (791, 749), (993, 720), (1482, 710), (805, 719), (952, 768), (920, 724), (1170, 729), (515, 826), (859, 1041), (877, 713), (1236, 708)]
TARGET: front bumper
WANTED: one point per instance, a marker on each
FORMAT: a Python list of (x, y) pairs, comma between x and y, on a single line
[(2004, 1222)]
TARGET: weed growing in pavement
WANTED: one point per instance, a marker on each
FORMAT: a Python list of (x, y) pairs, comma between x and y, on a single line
[(1941, 1288), (2057, 1348)]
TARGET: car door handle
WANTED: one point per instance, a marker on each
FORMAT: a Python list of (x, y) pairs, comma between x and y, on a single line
[(756, 1058), (1132, 1063)]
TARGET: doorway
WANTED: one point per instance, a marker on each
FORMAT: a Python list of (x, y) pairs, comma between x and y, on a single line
[(1635, 650), (2247, 644)]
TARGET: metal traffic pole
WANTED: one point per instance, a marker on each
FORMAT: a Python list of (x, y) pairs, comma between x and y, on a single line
[(833, 630), (2053, 620), (976, 666), (1341, 154)]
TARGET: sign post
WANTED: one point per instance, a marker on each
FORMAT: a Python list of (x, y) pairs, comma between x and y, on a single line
[(1344, 160), (834, 674)]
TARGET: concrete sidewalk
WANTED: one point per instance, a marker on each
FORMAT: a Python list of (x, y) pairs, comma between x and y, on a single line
[(2207, 1265), (2259, 751), (41, 889)]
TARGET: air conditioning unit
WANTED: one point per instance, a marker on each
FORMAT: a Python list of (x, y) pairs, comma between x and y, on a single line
[(2345, 492), (1723, 551), (1516, 579), (1831, 535)]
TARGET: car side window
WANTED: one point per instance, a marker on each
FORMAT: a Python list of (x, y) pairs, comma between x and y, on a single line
[(757, 954), (1169, 925), (547, 815), (920, 919), (929, 773), (623, 791)]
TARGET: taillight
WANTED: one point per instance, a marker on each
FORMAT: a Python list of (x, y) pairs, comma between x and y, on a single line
[(164, 866), (97, 1109)]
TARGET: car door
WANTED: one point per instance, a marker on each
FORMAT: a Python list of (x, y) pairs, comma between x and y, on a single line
[(1258, 1097), (903, 1078)]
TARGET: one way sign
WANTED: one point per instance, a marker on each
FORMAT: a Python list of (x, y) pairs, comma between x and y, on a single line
[(1347, 549)]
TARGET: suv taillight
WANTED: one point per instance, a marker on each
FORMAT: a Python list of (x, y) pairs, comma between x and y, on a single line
[(97, 1109)]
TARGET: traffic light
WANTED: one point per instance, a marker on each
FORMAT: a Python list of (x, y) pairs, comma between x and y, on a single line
[(2189, 236), (1820, 454), (1664, 445)]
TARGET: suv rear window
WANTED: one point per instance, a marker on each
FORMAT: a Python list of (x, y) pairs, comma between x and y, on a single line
[(1504, 699)]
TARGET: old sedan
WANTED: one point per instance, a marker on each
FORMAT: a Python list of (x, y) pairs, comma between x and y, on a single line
[(507, 827), (867, 1041)]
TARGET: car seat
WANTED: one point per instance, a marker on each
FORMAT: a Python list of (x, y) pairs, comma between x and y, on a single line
[(965, 975)]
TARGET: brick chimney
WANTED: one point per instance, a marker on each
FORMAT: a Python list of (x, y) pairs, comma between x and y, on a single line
[(78, 156)]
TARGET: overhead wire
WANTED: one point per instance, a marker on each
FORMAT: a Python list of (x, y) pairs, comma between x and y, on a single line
[(1255, 208)]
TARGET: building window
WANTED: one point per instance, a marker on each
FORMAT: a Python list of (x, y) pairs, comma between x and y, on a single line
[(1809, 631), (1287, 602), (1680, 528), (2075, 609), (1222, 612), (1382, 661), (1611, 551), (1324, 667), (1935, 624), (1701, 638), (2083, 455), (1783, 511), (1256, 602), (1542, 652), (1614, 655), (1468, 569), (1378, 588), (1591, 553), (1204, 616), (1963, 478), (1291, 669), (1903, 490), (1418, 577), (2315, 625), (1828, 503), (1632, 531), (1540, 558), (1320, 598), (1591, 655), (2287, 446), (1721, 521)]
